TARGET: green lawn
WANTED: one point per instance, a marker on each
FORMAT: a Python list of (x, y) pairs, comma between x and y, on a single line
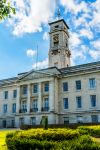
[(2, 138)]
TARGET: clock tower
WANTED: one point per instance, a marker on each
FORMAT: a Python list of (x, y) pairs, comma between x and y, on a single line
[(59, 53)]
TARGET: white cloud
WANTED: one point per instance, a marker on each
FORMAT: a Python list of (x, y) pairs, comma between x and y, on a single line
[(74, 40), (30, 53), (30, 15), (86, 33), (95, 54), (74, 7), (45, 36), (96, 44), (41, 64)]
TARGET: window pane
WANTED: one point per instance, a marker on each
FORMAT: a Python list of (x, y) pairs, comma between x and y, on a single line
[(92, 83), (79, 119), (6, 94), (35, 88), (65, 103), (93, 100), (94, 118), (65, 86), (14, 108), (66, 120), (14, 93), (5, 108), (78, 85), (33, 120), (46, 87), (24, 90), (79, 101)]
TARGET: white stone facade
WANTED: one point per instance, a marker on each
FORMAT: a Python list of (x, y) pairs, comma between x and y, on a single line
[(64, 94)]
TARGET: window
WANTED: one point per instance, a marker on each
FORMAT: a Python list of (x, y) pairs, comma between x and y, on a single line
[(79, 101), (24, 105), (79, 119), (65, 86), (65, 103), (93, 100), (66, 120), (14, 93), (46, 87), (14, 108), (34, 103), (24, 90), (21, 121), (5, 108), (6, 94), (45, 104), (94, 118), (92, 83), (13, 123), (33, 120), (35, 88), (78, 85), (56, 26)]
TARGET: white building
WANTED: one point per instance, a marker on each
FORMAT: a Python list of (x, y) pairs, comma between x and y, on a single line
[(62, 93)]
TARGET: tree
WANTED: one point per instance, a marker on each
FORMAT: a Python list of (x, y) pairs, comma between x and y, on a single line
[(5, 9)]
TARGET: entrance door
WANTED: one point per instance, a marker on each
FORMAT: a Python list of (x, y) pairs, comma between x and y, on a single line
[(4, 123)]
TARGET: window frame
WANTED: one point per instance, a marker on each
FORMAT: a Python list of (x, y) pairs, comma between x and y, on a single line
[(65, 105), (65, 86), (78, 85), (79, 102)]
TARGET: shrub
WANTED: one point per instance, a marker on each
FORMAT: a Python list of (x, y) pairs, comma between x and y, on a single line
[(92, 130), (50, 134), (51, 139)]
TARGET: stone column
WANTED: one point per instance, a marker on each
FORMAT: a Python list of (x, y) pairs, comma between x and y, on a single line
[(39, 97), (28, 98), (51, 96), (18, 100)]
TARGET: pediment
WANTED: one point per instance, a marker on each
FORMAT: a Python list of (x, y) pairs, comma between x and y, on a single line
[(35, 74)]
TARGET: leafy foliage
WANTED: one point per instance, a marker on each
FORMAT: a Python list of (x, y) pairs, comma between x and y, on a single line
[(51, 139), (5, 9), (91, 130)]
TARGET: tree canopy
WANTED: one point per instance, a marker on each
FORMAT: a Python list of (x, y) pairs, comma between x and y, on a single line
[(5, 9)]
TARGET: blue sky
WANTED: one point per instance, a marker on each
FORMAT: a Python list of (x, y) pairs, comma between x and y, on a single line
[(20, 35)]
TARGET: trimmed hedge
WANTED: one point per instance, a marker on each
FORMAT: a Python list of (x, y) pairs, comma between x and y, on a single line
[(91, 130), (51, 139)]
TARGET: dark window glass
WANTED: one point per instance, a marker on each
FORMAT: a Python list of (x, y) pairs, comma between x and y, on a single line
[(14, 93), (46, 87), (65, 103), (94, 118), (92, 83), (79, 101), (5, 108), (24, 90), (14, 108), (6, 94), (93, 100), (65, 86), (35, 88), (78, 85)]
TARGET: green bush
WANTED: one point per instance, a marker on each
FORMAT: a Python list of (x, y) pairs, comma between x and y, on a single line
[(92, 130), (50, 134), (51, 139)]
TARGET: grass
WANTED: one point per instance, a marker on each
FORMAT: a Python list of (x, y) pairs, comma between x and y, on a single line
[(3, 134)]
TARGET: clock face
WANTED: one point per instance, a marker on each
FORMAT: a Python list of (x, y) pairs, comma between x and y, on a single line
[(56, 38)]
